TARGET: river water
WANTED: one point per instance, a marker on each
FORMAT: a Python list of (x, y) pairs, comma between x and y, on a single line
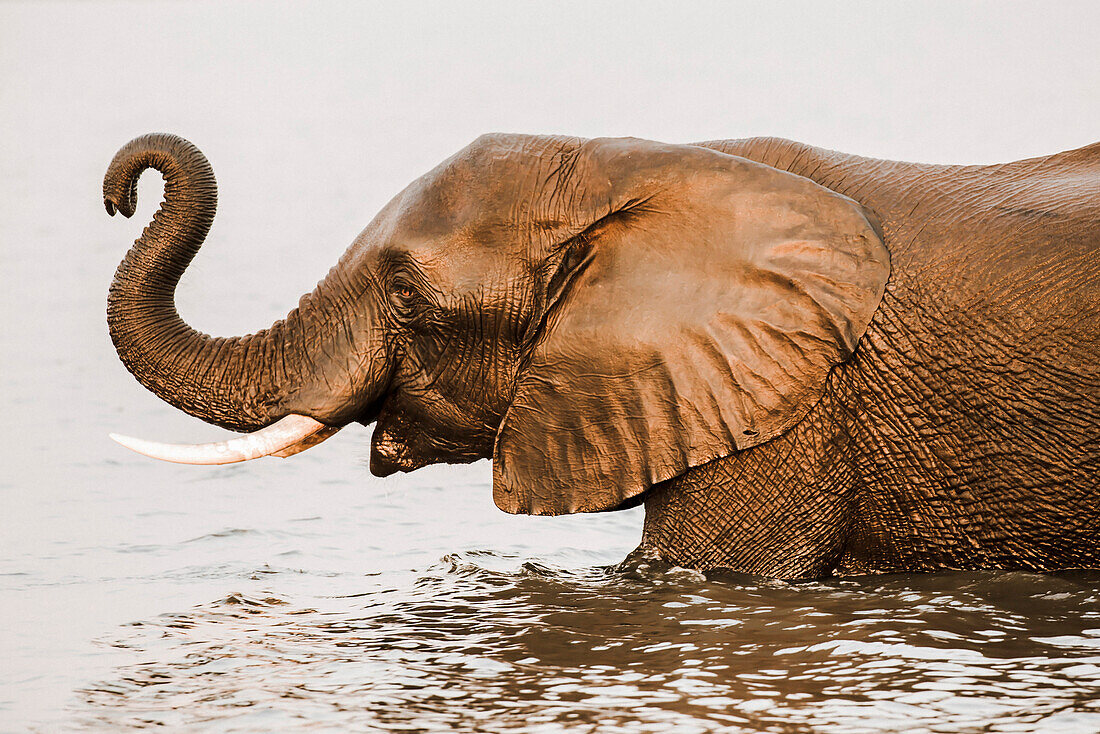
[(308, 595)]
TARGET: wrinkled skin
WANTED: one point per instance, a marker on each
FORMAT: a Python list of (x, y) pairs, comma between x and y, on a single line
[(965, 431), (802, 362)]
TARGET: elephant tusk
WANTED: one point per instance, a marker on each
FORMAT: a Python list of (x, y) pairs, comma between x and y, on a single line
[(308, 442), (283, 438)]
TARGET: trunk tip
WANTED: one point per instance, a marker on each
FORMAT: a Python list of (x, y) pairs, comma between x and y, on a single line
[(124, 207)]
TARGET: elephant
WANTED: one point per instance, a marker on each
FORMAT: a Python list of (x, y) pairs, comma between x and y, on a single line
[(802, 362)]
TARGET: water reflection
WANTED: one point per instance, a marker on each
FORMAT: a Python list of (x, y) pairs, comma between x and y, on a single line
[(486, 642)]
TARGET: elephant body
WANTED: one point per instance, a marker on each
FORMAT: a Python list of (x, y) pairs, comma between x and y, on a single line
[(801, 362), (965, 430)]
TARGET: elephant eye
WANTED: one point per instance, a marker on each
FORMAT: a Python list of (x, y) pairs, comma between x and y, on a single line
[(404, 297), (576, 254)]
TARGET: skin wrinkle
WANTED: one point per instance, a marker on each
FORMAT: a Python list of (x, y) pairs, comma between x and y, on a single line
[(472, 361), (669, 450), (758, 376), (740, 410), (470, 366), (557, 176), (342, 304), (308, 327), (209, 362), (175, 346), (779, 336)]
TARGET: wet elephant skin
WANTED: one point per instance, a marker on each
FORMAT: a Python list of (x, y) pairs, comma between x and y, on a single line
[(802, 362)]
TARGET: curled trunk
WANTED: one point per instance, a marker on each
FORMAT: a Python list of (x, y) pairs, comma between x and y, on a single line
[(240, 383)]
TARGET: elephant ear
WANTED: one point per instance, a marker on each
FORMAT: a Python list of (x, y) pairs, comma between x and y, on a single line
[(712, 298)]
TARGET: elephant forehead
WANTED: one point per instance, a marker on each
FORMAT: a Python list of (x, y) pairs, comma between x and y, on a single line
[(458, 265), (457, 255), (449, 201)]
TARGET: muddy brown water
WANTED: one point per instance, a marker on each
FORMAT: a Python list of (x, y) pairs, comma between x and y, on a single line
[(306, 595)]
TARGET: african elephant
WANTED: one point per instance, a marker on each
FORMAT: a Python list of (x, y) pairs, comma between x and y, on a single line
[(802, 362)]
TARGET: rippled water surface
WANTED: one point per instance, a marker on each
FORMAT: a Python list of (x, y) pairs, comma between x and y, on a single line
[(306, 595), (491, 642)]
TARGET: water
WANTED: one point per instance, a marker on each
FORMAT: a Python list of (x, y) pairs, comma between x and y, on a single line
[(488, 641), (306, 594)]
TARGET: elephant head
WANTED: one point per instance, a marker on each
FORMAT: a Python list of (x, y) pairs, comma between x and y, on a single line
[(596, 316)]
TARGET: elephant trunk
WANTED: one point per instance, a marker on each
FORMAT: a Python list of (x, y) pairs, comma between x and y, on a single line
[(321, 361)]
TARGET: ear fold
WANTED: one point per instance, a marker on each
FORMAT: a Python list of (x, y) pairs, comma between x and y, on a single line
[(714, 299)]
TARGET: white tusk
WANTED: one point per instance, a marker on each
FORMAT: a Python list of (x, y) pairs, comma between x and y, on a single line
[(284, 437), (308, 442)]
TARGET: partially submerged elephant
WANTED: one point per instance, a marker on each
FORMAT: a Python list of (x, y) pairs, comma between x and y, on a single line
[(802, 362)]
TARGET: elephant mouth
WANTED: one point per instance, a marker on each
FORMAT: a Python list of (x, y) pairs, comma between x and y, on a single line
[(388, 457)]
